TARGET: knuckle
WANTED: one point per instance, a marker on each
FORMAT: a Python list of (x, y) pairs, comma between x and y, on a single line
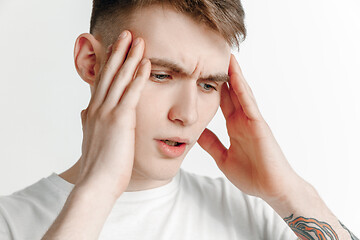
[(133, 91), (133, 59), (115, 120), (83, 115), (126, 108), (107, 68), (125, 69), (121, 47), (83, 112), (118, 47), (101, 114), (136, 51), (91, 111), (142, 73), (122, 117), (126, 72), (131, 64)]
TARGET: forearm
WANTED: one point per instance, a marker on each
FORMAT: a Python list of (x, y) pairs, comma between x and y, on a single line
[(82, 216), (307, 214)]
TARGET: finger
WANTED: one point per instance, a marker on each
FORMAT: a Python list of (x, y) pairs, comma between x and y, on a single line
[(107, 57), (234, 99), (211, 144), (108, 53), (118, 53), (132, 94), (125, 74), (227, 107), (247, 103), (235, 68), (243, 91)]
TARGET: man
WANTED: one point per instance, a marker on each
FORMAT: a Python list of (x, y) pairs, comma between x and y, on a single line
[(154, 90)]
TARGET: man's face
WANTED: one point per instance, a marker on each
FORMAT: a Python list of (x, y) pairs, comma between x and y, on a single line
[(178, 100)]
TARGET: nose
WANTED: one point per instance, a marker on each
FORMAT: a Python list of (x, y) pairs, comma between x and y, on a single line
[(184, 109)]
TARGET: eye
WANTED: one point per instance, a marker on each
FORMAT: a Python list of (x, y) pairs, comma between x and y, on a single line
[(207, 87), (159, 77)]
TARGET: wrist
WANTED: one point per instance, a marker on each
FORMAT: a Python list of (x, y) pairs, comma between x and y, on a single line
[(99, 183), (298, 194), (303, 207), (93, 191)]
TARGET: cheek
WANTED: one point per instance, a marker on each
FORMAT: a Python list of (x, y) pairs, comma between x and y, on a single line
[(207, 110), (150, 109), (156, 101), (208, 107)]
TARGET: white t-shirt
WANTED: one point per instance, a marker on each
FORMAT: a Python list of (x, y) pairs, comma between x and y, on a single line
[(189, 207)]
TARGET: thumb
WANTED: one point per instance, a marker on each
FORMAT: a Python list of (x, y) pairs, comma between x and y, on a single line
[(210, 143)]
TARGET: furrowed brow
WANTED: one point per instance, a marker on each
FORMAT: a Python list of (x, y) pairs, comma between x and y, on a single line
[(174, 67), (217, 78)]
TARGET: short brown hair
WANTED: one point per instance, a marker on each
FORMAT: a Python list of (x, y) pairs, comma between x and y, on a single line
[(224, 16)]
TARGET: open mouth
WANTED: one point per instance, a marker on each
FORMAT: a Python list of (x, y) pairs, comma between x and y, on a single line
[(172, 148), (172, 143)]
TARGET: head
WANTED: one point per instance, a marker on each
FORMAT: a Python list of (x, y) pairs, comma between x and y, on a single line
[(189, 44)]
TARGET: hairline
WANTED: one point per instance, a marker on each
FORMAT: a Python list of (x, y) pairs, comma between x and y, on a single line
[(126, 19)]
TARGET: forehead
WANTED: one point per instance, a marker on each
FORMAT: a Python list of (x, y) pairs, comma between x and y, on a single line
[(176, 37)]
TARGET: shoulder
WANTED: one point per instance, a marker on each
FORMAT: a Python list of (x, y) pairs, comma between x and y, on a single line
[(220, 191), (210, 186), (221, 188), (42, 201), (248, 213), (35, 195)]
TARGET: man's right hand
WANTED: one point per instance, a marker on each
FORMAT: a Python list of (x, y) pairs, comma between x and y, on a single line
[(109, 120), (108, 145)]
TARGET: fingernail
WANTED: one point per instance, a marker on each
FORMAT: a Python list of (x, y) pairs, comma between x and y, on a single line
[(137, 41), (123, 35)]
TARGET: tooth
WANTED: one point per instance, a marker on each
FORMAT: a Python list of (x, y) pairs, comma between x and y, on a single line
[(170, 143)]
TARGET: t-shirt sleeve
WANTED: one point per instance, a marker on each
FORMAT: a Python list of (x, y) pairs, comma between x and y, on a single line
[(4, 227)]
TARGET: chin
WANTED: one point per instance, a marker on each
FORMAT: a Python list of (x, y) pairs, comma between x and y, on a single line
[(157, 169)]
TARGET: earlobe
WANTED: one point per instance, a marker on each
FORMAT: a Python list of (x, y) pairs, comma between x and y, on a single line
[(87, 57)]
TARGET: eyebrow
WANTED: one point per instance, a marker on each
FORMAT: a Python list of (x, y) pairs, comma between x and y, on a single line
[(174, 67)]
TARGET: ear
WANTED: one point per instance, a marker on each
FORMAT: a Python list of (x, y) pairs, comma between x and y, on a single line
[(87, 55)]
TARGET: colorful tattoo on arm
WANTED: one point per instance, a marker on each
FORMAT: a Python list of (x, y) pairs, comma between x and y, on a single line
[(312, 229)]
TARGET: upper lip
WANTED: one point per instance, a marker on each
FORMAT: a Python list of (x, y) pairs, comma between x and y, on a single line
[(177, 139)]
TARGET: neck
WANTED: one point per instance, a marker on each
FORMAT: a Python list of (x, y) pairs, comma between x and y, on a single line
[(137, 182)]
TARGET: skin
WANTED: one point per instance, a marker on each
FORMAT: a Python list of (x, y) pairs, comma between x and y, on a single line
[(128, 110), (188, 105)]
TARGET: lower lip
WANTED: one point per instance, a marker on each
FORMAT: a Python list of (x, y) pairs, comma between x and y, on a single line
[(171, 151)]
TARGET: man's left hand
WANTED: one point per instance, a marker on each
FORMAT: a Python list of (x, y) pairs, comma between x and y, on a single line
[(254, 163)]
